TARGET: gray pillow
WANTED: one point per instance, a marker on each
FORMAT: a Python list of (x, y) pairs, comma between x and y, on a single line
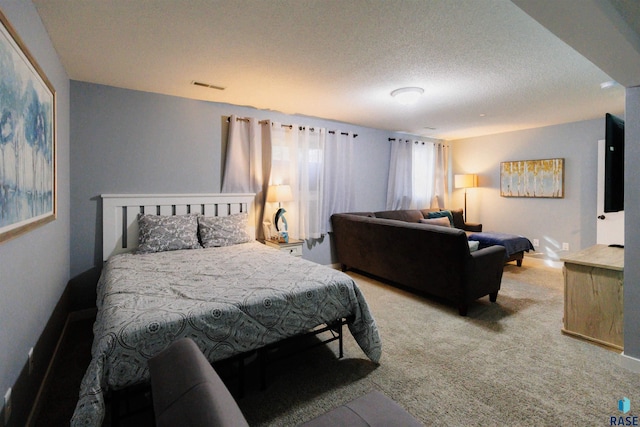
[(218, 231), (158, 233)]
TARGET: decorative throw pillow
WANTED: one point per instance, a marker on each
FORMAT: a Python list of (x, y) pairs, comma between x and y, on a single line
[(441, 214), (473, 245), (218, 231), (442, 221), (158, 233)]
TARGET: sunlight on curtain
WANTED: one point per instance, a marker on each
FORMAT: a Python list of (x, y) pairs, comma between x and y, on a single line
[(298, 160), (339, 191), (248, 163), (400, 187), (417, 175), (243, 172)]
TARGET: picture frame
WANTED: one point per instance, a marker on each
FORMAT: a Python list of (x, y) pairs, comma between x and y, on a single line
[(542, 178), (28, 158)]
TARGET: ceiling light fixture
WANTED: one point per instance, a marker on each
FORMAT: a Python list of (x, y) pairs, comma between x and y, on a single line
[(407, 95), (609, 84)]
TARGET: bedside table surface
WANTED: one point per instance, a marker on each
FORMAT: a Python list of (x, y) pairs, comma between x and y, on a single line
[(292, 242)]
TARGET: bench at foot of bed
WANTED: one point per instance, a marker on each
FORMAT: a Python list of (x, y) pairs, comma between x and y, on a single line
[(514, 245)]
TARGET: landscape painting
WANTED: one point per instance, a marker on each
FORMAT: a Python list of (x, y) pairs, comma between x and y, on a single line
[(532, 178), (27, 139)]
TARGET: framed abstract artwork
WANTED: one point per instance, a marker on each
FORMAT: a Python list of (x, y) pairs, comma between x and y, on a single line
[(532, 178), (28, 196)]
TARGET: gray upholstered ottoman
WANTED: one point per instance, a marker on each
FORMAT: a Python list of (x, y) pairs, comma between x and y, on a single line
[(187, 392)]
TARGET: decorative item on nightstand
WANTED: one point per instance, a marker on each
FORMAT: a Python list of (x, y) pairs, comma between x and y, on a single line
[(279, 194), (466, 181)]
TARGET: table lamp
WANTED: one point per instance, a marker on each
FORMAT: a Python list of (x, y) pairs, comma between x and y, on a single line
[(279, 194)]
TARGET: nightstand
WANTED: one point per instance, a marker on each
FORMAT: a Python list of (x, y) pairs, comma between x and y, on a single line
[(294, 247)]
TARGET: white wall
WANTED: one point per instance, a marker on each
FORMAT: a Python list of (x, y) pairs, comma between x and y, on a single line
[(632, 231), (34, 267), (571, 219)]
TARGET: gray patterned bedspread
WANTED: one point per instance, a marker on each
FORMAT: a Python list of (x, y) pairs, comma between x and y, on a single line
[(229, 300)]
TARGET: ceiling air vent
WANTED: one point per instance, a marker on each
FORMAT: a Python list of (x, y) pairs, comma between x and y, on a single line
[(207, 85)]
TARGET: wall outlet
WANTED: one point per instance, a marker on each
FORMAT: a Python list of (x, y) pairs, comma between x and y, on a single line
[(565, 246), (7, 406), (536, 243), (30, 358)]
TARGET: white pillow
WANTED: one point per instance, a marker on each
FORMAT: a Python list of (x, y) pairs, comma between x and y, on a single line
[(473, 245)]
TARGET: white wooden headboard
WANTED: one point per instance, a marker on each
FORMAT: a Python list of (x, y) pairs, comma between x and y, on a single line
[(120, 214)]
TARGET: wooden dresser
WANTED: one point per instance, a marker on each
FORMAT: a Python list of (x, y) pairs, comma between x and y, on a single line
[(593, 295)]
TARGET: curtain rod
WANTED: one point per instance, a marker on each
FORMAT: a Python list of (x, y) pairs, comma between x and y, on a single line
[(262, 122), (416, 141)]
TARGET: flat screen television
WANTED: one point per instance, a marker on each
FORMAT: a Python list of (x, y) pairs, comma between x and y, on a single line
[(614, 164)]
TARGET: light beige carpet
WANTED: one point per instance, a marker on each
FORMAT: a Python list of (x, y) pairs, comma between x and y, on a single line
[(504, 364)]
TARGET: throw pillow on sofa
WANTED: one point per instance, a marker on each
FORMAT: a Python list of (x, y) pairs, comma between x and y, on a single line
[(442, 221), (441, 214)]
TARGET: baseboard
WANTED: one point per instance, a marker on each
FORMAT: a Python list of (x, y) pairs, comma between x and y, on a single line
[(27, 386), (630, 363), (35, 409)]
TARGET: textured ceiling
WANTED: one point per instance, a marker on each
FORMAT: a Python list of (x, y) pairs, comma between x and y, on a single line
[(485, 65)]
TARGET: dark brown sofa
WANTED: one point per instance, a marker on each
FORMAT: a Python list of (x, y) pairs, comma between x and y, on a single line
[(431, 259)]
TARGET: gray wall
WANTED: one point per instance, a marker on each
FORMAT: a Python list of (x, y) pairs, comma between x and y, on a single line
[(126, 141), (632, 219), (551, 221), (34, 267)]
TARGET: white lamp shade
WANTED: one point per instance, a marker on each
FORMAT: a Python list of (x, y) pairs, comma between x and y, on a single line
[(466, 181), (279, 194)]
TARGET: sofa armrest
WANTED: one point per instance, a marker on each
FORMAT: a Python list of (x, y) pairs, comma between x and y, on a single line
[(470, 226), (494, 254), (484, 272), (187, 391)]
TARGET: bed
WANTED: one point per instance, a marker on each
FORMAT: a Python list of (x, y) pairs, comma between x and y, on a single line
[(230, 299)]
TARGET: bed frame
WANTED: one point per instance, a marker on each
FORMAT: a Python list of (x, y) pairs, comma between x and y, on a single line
[(120, 214), (120, 235)]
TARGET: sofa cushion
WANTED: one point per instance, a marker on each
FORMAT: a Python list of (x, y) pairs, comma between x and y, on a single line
[(426, 212), (371, 410), (458, 218), (407, 215), (443, 221), (441, 214)]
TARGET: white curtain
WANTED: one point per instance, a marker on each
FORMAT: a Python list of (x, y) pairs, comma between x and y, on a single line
[(440, 184), (248, 163), (400, 186), (298, 160), (417, 175), (243, 172), (339, 192)]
